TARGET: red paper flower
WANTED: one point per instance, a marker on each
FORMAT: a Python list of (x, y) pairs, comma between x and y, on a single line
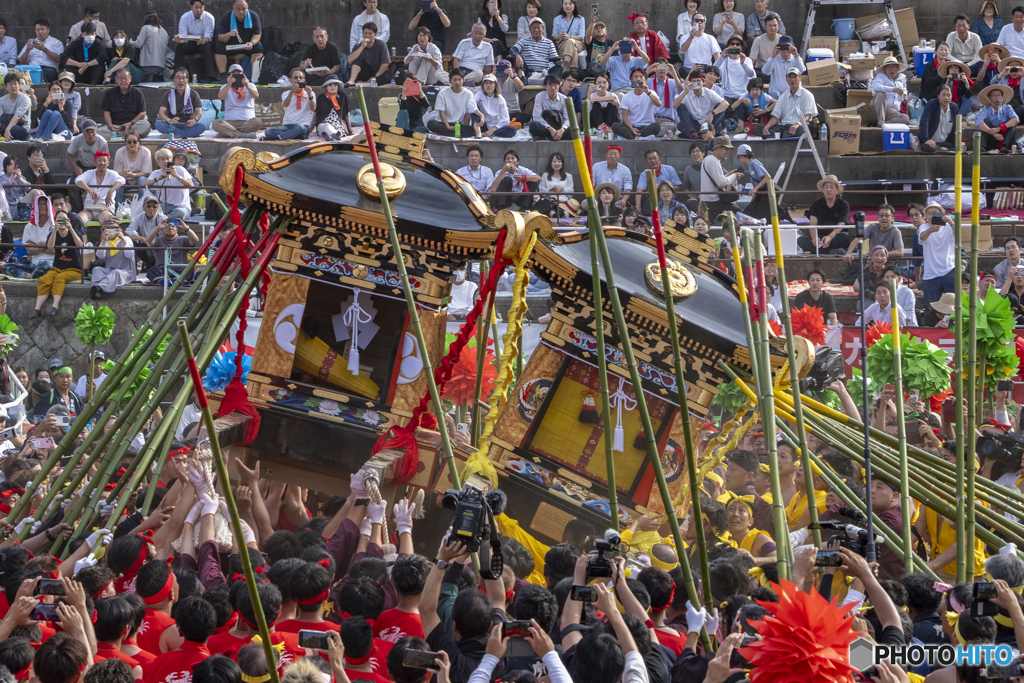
[(462, 385), (776, 328), (875, 332), (809, 324), (806, 639), (1019, 347)]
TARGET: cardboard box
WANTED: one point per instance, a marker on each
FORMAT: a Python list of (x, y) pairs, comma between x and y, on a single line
[(843, 130), (861, 63), (881, 57), (984, 235), (848, 47), (827, 42), (906, 22), (822, 72), (271, 114), (862, 99)]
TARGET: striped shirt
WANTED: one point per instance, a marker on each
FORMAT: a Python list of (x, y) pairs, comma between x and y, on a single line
[(538, 54)]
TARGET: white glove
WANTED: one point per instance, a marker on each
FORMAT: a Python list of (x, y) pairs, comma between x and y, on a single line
[(36, 527), (366, 527), (198, 479), (712, 621), (102, 536), (356, 485), (644, 559), (193, 514), (1008, 549), (210, 505), (694, 619), (247, 534), (108, 509), (797, 538), (53, 505), (224, 507), (403, 516), (375, 512), (87, 561), (21, 525)]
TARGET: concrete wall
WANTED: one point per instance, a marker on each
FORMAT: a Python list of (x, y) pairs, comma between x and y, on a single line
[(48, 337), (297, 17)]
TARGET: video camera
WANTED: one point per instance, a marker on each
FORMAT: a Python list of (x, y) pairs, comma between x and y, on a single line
[(852, 537), (827, 368), (599, 566), (1005, 448), (474, 522)]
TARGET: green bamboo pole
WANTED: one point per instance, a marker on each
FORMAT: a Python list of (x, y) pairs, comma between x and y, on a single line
[(794, 371), (973, 378), (627, 348), (684, 404), (958, 363), (481, 355), (157, 471), (236, 522), (766, 402), (901, 426), (410, 301)]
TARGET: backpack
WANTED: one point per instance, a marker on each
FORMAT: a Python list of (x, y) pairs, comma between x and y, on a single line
[(274, 66), (273, 39)]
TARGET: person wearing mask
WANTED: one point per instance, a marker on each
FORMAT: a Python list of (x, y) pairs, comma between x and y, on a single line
[(67, 265), (152, 46), (700, 47), (370, 59), (122, 56), (698, 105), (463, 295), (195, 37), (937, 119), (890, 88), (43, 51), (475, 173), (474, 55), (87, 56), (964, 45), (793, 108), (931, 81), (997, 120), (99, 187), (621, 64), (241, 29), (299, 104), (124, 108), (883, 233), (424, 61), (239, 96), (550, 116), (785, 57), (763, 47), (637, 110), (611, 171), (715, 183)]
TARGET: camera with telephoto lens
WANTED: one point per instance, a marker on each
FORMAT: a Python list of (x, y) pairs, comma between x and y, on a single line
[(473, 512), (827, 368), (1005, 448), (853, 538), (599, 566)]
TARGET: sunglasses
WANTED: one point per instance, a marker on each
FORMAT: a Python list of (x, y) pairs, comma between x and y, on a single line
[(700, 21)]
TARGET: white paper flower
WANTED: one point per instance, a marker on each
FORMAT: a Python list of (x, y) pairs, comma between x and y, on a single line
[(371, 417), (329, 407)]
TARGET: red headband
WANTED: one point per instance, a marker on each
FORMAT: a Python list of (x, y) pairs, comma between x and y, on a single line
[(356, 661), (181, 451), (9, 492), (671, 597), (1000, 425), (143, 555), (633, 16), (318, 598), (508, 593), (228, 625), (252, 625), (613, 147), (325, 563), (96, 595), (110, 487), (19, 675), (100, 153), (161, 594)]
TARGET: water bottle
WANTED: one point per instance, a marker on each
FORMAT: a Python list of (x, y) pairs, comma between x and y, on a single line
[(392, 81), (195, 78), (394, 52), (824, 132), (373, 82), (113, 135), (170, 137), (458, 129)]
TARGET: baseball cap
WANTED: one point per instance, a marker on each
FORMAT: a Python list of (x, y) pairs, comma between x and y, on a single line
[(535, 20), (785, 41), (490, 77), (54, 363), (100, 355), (235, 67), (88, 124), (743, 151), (877, 247), (704, 128)]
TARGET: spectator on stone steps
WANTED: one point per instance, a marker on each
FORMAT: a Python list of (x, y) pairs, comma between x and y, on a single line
[(199, 23), (124, 108), (965, 45), (240, 28), (239, 97), (87, 56)]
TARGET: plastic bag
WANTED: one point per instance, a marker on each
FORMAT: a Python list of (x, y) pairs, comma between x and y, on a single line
[(875, 30), (947, 198)]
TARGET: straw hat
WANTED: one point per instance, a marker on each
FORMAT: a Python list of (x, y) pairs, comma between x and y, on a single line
[(944, 68), (830, 179), (1003, 52), (1005, 89), (570, 206), (616, 193), (995, 7), (889, 61), (945, 303), (1004, 63)]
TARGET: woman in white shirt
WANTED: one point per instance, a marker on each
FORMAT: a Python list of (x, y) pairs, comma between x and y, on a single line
[(425, 59), (728, 22), (494, 108), (555, 179), (132, 161), (532, 10)]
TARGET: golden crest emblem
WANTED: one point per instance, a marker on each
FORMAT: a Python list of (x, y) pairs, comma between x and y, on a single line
[(394, 181), (680, 280)]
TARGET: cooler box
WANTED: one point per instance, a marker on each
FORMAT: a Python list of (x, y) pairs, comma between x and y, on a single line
[(815, 54), (388, 110), (922, 55), (35, 72), (895, 136)]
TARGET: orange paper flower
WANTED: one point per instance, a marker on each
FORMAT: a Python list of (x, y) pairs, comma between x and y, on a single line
[(875, 332), (809, 324), (806, 639), (776, 328), (462, 384)]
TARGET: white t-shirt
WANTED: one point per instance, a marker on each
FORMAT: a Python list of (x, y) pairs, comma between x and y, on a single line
[(294, 114), (84, 380), (462, 298), (170, 190), (110, 178), (700, 107), (34, 233), (640, 108), (474, 57), (939, 251), (702, 50), (455, 105), (239, 109), (494, 109)]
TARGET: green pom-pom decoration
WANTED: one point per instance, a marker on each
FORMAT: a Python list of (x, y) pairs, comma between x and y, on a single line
[(995, 322), (730, 398), (94, 325), (10, 330), (925, 368), (855, 385), (108, 367), (881, 361)]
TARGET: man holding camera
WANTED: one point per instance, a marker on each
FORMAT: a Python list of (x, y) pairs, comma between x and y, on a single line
[(698, 105), (239, 97), (637, 110), (174, 235), (885, 502), (785, 57), (700, 47), (171, 185)]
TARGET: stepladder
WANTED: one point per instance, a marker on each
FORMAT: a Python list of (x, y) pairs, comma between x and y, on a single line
[(817, 4)]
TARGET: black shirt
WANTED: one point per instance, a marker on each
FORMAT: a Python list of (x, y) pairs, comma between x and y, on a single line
[(97, 51), (596, 48), (371, 60), (123, 107), (825, 302), (126, 51), (244, 34), (66, 258), (416, 106), (42, 178), (328, 56), (838, 213), (868, 279), (432, 20)]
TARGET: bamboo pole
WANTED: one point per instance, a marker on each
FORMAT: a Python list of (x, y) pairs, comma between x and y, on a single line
[(627, 349), (410, 300), (794, 371), (236, 522), (481, 356), (901, 426), (684, 404), (973, 378), (958, 361)]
